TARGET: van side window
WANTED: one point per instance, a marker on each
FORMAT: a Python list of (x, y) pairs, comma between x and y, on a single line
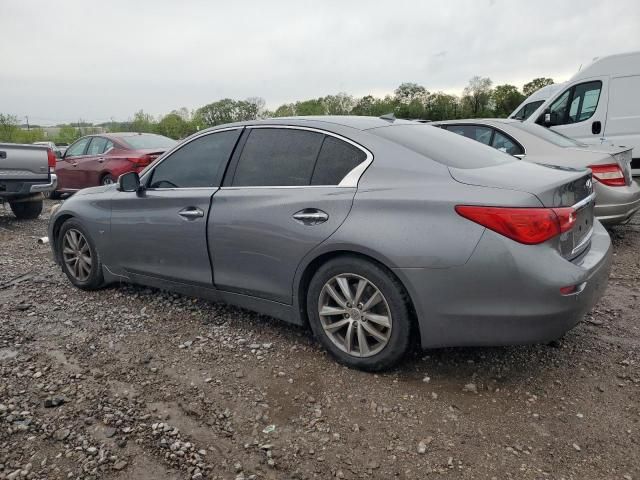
[(576, 104)]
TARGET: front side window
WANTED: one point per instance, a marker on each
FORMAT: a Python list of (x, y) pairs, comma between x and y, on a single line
[(278, 157), (198, 164), (97, 146), (505, 144), (576, 104), (77, 148), (474, 132)]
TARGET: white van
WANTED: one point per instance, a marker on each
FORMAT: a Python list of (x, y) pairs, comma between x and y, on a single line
[(599, 104), (533, 101)]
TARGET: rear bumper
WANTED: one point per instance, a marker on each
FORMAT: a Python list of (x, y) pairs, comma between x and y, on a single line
[(616, 204), (19, 188), (507, 293)]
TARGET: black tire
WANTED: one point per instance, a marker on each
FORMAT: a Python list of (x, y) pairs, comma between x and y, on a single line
[(399, 341), (28, 210), (55, 195), (95, 279), (107, 179)]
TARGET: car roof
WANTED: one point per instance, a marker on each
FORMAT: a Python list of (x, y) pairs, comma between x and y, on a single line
[(326, 121), (479, 121)]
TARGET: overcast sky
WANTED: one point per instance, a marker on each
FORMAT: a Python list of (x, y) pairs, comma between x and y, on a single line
[(66, 60)]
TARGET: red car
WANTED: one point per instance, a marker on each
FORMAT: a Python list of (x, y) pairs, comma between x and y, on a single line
[(100, 159)]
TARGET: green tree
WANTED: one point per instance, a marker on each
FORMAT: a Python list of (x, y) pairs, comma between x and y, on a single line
[(409, 92), (505, 99), (173, 126), (476, 97), (442, 106), (339, 104), (9, 128), (535, 85), (285, 110), (67, 134), (142, 122), (310, 107)]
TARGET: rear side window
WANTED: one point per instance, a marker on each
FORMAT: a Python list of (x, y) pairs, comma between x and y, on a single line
[(199, 163), (505, 144), (441, 146), (278, 157), (97, 146), (474, 132), (336, 160)]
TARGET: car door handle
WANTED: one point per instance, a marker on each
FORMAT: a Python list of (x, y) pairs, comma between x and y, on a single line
[(74, 164), (311, 216), (191, 213), (101, 160)]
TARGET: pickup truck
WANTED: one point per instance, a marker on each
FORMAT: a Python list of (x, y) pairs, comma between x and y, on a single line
[(26, 171)]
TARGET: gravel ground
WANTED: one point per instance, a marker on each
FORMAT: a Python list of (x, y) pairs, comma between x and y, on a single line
[(135, 383)]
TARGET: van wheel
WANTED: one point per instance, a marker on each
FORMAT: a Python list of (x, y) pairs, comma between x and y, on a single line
[(26, 210), (359, 312), (79, 256)]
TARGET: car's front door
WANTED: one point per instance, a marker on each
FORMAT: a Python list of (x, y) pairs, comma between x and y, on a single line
[(161, 232), (91, 168), (285, 192), (580, 111), (67, 167)]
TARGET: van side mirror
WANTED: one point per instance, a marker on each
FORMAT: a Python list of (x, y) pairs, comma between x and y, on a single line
[(129, 182)]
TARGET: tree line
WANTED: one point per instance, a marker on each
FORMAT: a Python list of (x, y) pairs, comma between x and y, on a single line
[(480, 98)]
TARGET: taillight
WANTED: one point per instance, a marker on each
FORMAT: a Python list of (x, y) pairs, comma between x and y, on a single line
[(51, 160), (610, 174), (141, 161), (525, 225)]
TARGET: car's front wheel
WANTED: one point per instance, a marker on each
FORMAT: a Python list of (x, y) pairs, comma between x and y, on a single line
[(79, 256), (359, 312), (107, 180)]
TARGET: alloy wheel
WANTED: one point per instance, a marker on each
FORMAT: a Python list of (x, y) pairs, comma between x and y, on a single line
[(355, 315), (77, 254)]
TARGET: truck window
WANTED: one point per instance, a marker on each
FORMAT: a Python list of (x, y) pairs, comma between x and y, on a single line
[(576, 104), (526, 111)]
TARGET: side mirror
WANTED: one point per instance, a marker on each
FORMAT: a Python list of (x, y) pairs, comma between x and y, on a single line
[(129, 182), (519, 156), (58, 153)]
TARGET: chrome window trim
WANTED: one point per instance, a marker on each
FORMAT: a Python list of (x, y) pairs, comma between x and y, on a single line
[(168, 153), (350, 180), (519, 156)]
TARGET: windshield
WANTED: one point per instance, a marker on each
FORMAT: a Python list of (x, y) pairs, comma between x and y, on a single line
[(442, 146), (148, 140), (549, 135), (526, 111)]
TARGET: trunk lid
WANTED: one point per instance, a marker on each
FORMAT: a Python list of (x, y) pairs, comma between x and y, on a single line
[(554, 186)]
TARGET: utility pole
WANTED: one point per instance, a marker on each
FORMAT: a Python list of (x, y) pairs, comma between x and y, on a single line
[(28, 127)]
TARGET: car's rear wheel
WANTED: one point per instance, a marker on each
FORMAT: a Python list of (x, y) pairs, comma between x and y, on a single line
[(79, 256), (26, 210), (359, 312)]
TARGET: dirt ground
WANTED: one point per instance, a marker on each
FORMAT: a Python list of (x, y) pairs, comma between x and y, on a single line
[(135, 383)]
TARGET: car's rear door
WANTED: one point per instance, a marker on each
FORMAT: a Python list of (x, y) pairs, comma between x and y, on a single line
[(287, 189), (91, 166), (69, 175), (162, 232)]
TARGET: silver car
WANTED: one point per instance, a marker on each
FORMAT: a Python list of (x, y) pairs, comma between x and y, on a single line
[(617, 195), (377, 233)]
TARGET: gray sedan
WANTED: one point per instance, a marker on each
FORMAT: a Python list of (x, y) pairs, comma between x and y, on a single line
[(377, 233), (617, 195)]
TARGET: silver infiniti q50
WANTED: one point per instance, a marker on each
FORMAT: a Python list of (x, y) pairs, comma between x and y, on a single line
[(375, 232)]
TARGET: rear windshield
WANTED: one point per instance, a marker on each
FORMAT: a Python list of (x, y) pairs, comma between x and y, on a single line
[(147, 140), (547, 134), (444, 147)]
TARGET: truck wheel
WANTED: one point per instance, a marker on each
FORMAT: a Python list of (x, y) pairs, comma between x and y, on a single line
[(26, 210), (55, 195)]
